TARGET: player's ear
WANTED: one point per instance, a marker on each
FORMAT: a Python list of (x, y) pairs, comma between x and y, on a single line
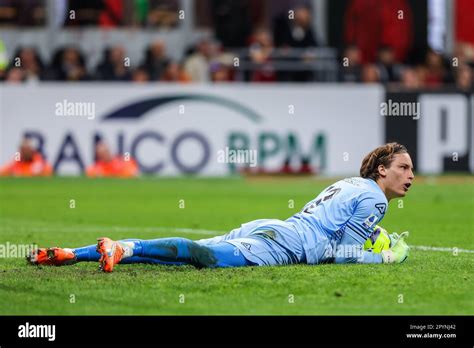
[(382, 170)]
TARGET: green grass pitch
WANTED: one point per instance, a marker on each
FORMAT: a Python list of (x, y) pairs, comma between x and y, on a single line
[(438, 212)]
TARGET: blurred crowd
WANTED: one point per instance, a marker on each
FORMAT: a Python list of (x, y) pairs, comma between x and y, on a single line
[(208, 61), (435, 71), (214, 59), (101, 13), (204, 62)]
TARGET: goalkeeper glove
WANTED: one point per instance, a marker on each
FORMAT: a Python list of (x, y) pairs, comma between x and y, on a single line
[(379, 240), (394, 237), (398, 252)]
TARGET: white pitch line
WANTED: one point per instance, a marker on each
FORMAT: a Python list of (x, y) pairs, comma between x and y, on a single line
[(158, 229), (428, 248), (105, 229)]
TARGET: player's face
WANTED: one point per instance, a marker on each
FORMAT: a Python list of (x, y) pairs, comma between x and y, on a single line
[(399, 176)]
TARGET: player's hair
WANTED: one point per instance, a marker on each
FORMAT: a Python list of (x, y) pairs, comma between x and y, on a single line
[(382, 155)]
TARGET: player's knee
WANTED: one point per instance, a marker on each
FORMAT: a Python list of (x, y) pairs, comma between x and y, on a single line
[(201, 256), (186, 250)]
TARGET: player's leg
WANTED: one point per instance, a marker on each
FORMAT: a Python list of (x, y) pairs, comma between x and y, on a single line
[(271, 242), (241, 232), (90, 253), (235, 233), (170, 250), (187, 251), (69, 256), (65, 256), (138, 259), (265, 251)]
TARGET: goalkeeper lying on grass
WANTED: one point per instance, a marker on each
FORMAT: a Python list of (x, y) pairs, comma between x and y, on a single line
[(338, 226)]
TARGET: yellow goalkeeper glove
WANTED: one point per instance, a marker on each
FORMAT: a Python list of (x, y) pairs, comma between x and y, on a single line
[(397, 253)]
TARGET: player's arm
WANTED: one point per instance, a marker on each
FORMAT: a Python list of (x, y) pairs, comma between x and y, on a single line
[(380, 240), (350, 250), (367, 213), (397, 253)]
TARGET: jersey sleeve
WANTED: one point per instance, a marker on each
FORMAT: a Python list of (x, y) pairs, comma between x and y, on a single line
[(350, 250), (369, 210)]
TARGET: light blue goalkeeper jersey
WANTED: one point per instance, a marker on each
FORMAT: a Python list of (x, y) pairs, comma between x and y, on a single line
[(332, 228), (345, 213)]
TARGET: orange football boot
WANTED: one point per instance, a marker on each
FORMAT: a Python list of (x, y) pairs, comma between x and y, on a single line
[(52, 257), (111, 253)]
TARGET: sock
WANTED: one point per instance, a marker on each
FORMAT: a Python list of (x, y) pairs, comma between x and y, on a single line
[(133, 253), (166, 249), (227, 255), (88, 253), (139, 259), (131, 247), (179, 250)]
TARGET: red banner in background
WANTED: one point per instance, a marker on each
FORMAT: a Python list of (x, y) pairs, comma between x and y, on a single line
[(464, 25)]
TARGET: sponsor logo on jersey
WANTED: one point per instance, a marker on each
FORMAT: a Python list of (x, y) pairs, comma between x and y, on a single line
[(381, 207), (246, 245), (370, 221)]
